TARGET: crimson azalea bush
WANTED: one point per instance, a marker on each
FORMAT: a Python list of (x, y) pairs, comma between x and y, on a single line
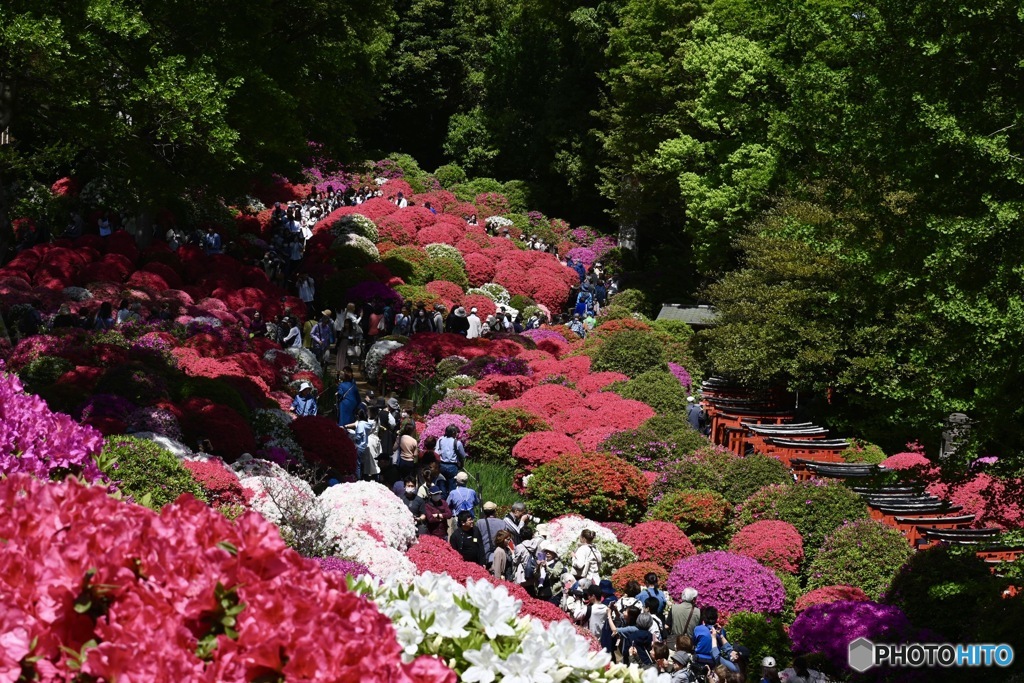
[(110, 590), (538, 448), (992, 500), (599, 486), (772, 543), (636, 571), (866, 553), (660, 542), (221, 485), (405, 366), (827, 594), (702, 514), (829, 628), (505, 387), (325, 443), (433, 554), (730, 582)]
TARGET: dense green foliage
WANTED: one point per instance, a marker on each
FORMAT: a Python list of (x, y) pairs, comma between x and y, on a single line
[(866, 554), (495, 432), (147, 472), (632, 353), (657, 388), (766, 637)]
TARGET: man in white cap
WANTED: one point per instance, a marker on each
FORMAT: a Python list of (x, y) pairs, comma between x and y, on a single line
[(474, 324), (462, 498), (304, 402), (695, 414)]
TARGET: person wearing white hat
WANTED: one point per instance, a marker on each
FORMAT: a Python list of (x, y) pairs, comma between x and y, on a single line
[(474, 328), (304, 403)]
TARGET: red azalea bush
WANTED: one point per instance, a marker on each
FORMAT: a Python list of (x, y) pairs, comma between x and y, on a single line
[(906, 461), (325, 443), (433, 554), (596, 381), (448, 291), (636, 571), (229, 433), (182, 595), (992, 500), (659, 542), (546, 400), (548, 290), (405, 365), (505, 387), (484, 305), (772, 543), (479, 268), (598, 486), (827, 594), (220, 483), (538, 448)]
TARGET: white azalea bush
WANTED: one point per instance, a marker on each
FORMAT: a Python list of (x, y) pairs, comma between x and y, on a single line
[(494, 292), (499, 222), (475, 629), (375, 357), (442, 250), (367, 523), (358, 242), (564, 532), (356, 224)]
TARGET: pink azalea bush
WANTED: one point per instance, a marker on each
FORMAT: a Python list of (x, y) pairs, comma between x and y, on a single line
[(772, 543), (437, 425), (103, 588), (730, 582), (659, 542), (37, 441), (828, 628)]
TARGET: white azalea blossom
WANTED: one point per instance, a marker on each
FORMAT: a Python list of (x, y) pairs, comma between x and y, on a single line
[(476, 629)]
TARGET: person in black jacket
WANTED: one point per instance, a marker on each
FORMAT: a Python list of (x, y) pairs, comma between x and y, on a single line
[(466, 539)]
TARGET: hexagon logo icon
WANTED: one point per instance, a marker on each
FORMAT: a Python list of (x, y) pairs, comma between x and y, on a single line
[(862, 655)]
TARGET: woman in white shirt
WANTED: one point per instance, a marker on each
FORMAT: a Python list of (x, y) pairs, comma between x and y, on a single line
[(586, 561), (294, 337)]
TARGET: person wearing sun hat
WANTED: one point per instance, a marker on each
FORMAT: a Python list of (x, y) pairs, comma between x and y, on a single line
[(304, 403)]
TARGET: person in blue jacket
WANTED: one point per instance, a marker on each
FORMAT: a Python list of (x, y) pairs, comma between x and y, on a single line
[(304, 402), (348, 398)]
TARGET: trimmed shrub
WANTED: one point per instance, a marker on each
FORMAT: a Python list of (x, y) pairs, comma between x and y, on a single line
[(521, 303), (944, 589), (496, 432), (765, 636), (631, 352), (793, 592), (662, 543), (43, 371), (772, 543), (745, 476), (632, 299), (700, 513), (450, 175), (325, 443), (657, 388), (865, 553), (538, 448), (441, 268), (636, 571), (147, 472), (816, 508), (863, 451), (599, 486), (214, 390), (732, 583), (705, 468)]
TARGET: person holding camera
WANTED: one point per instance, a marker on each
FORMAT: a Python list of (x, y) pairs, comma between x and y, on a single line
[(516, 519)]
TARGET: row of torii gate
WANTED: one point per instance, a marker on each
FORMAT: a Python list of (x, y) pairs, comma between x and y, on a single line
[(745, 422)]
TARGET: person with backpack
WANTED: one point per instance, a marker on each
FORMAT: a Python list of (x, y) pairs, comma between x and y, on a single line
[(421, 322), (651, 591), (403, 321), (501, 561), (452, 454), (696, 416), (348, 398), (528, 571), (594, 613), (466, 539), (586, 561), (684, 615), (489, 527), (322, 336)]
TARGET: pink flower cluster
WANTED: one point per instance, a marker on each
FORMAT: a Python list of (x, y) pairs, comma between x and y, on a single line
[(730, 582), (436, 426), (660, 542), (98, 587), (992, 500), (37, 441), (773, 543)]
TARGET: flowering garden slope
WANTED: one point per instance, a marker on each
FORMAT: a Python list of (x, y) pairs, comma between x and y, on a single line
[(590, 427)]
